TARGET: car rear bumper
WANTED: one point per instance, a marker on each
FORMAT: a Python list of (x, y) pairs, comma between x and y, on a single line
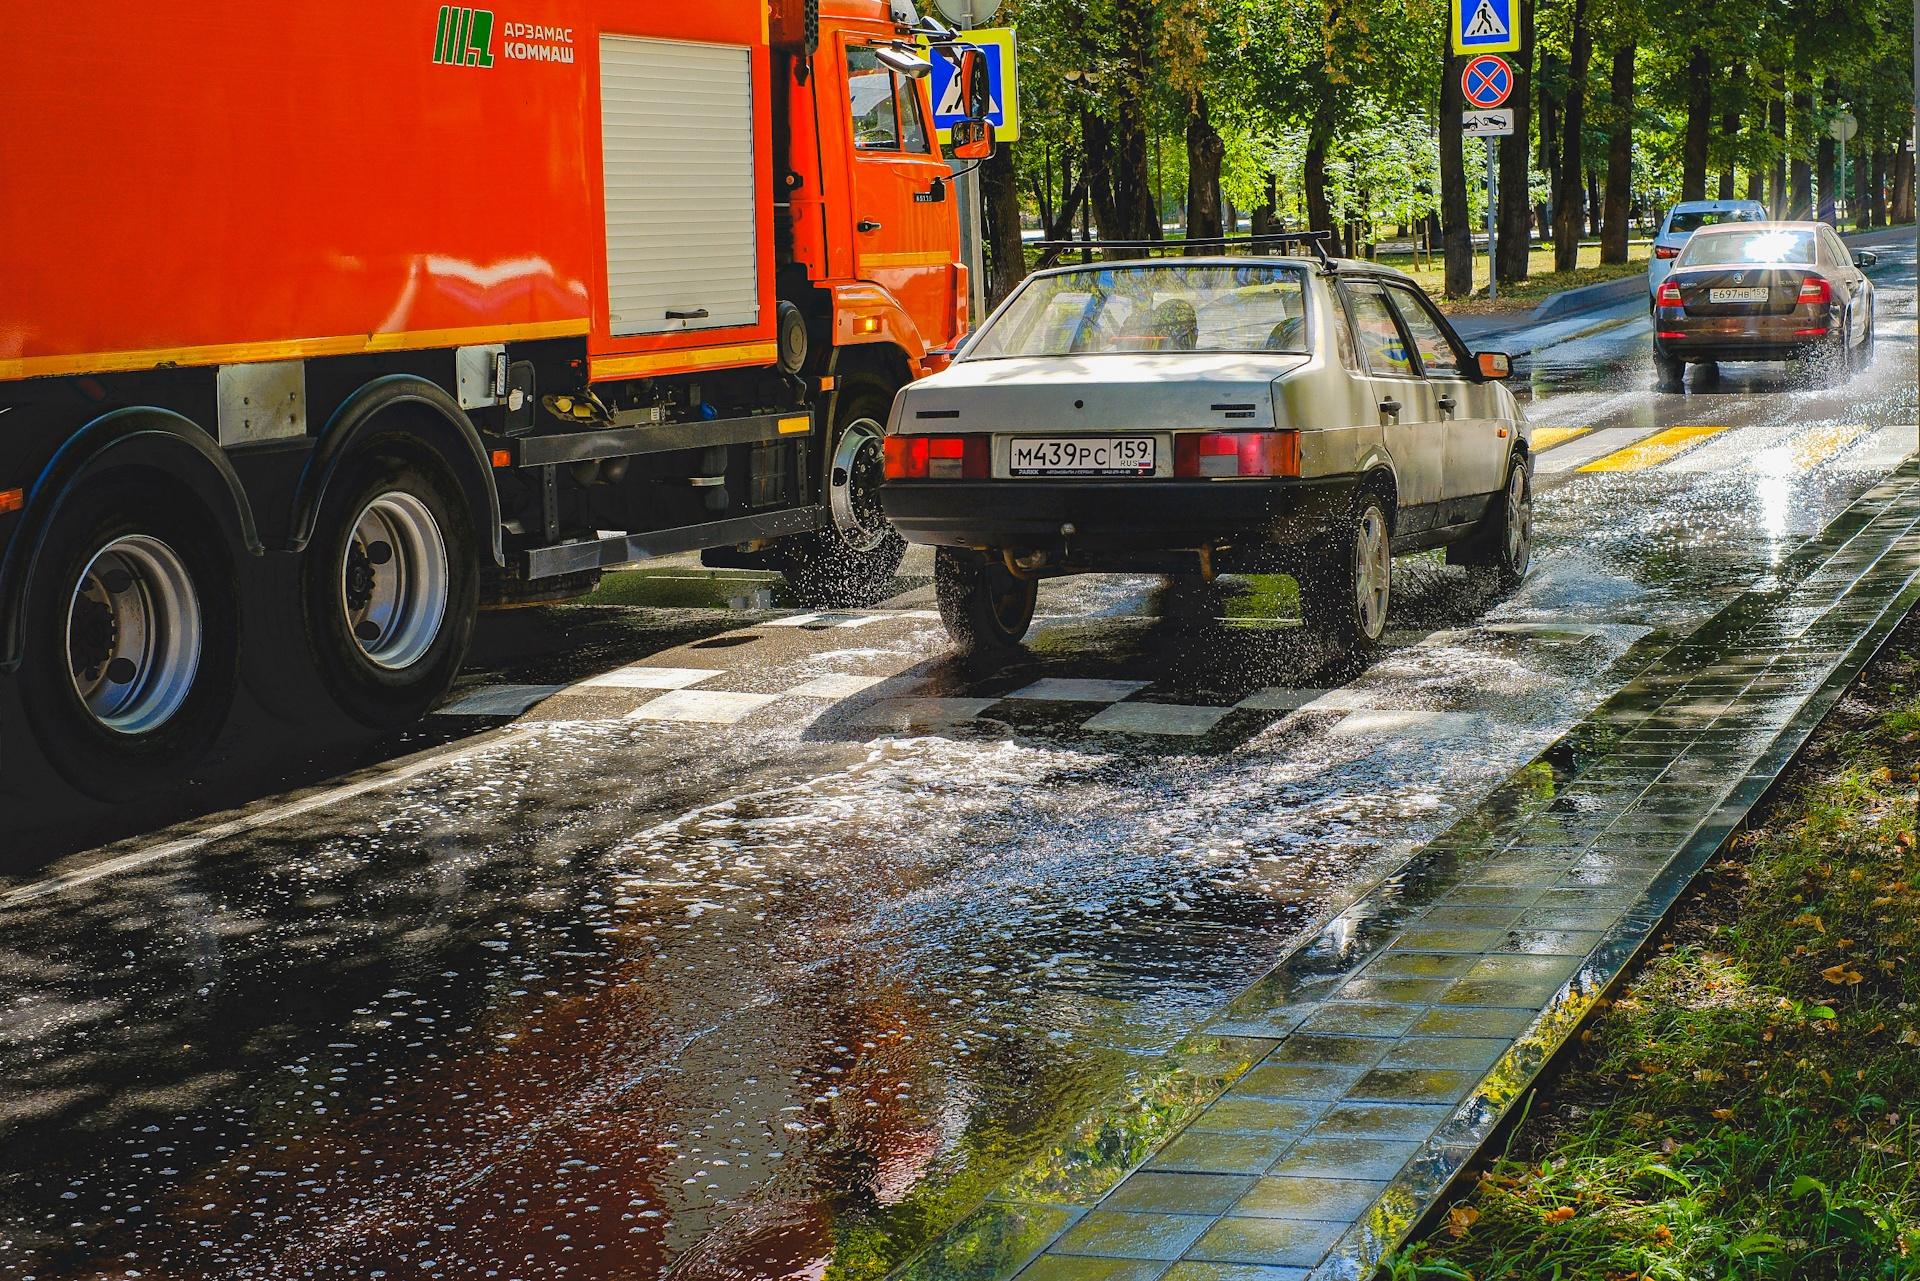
[(1115, 516), (1741, 338)]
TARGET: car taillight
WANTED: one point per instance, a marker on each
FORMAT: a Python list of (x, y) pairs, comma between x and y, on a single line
[(1236, 453), (939, 457), (1665, 251), (1669, 295), (1815, 289)]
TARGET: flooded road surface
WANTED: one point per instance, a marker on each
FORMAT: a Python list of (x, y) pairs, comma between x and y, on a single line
[(764, 945)]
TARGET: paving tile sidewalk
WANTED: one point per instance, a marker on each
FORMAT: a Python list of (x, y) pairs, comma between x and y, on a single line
[(1305, 1131)]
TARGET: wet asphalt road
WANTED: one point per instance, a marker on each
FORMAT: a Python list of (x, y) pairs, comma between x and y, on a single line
[(777, 944)]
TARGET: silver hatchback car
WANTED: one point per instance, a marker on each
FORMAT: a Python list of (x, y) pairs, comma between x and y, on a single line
[(1293, 414)]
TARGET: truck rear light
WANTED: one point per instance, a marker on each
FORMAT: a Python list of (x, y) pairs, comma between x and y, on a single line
[(1815, 290), (1236, 453), (12, 500), (939, 457), (1669, 295), (1665, 251)]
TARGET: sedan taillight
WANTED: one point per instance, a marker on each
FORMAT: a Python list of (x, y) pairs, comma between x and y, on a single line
[(1236, 453), (1665, 251), (1815, 290), (1669, 295), (939, 457)]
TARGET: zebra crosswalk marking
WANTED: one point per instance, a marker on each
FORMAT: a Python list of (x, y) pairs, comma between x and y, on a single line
[(1654, 450)]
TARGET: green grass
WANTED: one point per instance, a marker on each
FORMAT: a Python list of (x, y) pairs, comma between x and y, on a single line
[(1542, 280), (1744, 1110)]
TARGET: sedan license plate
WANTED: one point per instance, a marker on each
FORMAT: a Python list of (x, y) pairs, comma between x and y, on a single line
[(1736, 295), (1084, 456)]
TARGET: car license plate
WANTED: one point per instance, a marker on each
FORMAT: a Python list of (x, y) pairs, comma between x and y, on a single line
[(1736, 295), (1084, 456)]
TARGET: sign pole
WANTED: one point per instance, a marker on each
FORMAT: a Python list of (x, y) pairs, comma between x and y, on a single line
[(966, 183), (1493, 217)]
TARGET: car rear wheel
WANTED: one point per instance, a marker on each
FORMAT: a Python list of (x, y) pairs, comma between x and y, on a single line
[(1347, 587), (984, 606), (1669, 372)]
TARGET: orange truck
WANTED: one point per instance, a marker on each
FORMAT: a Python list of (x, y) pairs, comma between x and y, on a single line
[(324, 326)]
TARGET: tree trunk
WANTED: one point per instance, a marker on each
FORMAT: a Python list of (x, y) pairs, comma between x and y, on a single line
[(1618, 202), (1204, 154), (1570, 214), (1265, 214), (1900, 205), (1824, 170), (1732, 93), (1006, 256), (1693, 155), (1314, 178), (1778, 202), (1456, 225), (1799, 172), (1877, 192), (1516, 208)]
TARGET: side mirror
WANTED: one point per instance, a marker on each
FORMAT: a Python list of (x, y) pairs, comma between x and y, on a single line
[(972, 139), (1495, 366), (1865, 258), (976, 84)]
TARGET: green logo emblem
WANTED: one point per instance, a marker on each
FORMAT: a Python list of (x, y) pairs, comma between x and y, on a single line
[(465, 38)]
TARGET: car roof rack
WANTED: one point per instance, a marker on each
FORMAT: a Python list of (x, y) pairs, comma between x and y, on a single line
[(1277, 243)]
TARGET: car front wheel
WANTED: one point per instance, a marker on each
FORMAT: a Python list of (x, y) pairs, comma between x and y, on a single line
[(984, 606), (1509, 533), (1346, 590)]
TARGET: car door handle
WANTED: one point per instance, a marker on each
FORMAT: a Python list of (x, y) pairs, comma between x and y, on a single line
[(1445, 402), (867, 224), (1390, 406)]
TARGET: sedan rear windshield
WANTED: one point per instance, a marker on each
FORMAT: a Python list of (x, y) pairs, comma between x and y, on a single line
[(1730, 249), (1170, 307), (1694, 219)]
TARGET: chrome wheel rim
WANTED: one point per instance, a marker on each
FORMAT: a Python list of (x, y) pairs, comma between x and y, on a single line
[(853, 489), (1519, 521), (1373, 573), (394, 581), (134, 635)]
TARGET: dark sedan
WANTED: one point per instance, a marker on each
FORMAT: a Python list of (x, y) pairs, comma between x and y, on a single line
[(1765, 291)]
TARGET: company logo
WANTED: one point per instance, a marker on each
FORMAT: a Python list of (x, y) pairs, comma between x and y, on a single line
[(465, 37)]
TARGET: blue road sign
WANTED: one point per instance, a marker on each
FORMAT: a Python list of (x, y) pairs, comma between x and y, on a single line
[(1486, 26), (1002, 78)]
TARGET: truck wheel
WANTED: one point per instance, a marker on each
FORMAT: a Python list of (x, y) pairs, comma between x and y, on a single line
[(1506, 540), (390, 589), (851, 563), (132, 634), (984, 606), (1347, 585)]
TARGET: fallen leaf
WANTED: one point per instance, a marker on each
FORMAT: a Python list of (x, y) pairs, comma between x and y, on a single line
[(1460, 1220), (1840, 974), (1662, 1233), (1719, 1114), (1560, 1215)]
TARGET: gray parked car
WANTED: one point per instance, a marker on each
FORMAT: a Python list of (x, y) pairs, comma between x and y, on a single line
[(1204, 415)]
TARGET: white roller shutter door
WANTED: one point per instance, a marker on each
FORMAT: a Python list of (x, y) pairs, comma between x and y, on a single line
[(677, 128)]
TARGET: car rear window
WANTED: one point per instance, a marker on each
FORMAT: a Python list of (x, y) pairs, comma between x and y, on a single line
[(1741, 248), (1694, 219), (1149, 309)]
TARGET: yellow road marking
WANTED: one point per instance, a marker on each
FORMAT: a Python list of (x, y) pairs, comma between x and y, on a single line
[(1547, 437), (1654, 450), (1815, 447)]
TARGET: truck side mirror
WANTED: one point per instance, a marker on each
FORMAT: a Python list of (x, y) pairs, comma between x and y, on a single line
[(972, 139), (977, 83)]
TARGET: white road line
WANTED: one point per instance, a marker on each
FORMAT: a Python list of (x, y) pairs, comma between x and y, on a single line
[(387, 776)]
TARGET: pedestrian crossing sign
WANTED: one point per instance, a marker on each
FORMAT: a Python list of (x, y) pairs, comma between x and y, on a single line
[(1003, 80), (1486, 26)]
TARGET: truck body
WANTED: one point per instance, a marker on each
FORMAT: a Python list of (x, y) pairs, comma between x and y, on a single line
[(304, 309)]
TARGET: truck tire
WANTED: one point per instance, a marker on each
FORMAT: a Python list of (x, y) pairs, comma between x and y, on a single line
[(851, 563), (1346, 586), (132, 638), (985, 608), (390, 588)]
